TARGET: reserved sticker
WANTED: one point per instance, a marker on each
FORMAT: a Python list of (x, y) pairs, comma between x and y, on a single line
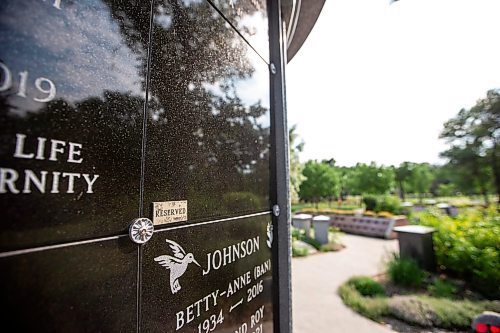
[(169, 212)]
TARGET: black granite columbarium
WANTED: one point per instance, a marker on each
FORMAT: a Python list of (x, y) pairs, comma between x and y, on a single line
[(85, 288), (112, 110), (208, 115), (249, 17), (72, 85), (220, 282)]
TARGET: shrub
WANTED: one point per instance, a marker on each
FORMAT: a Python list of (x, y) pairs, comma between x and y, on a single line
[(299, 234), (469, 245), (389, 204), (299, 252), (438, 312), (311, 241), (373, 308), (366, 286), (370, 202), (442, 288), (405, 272)]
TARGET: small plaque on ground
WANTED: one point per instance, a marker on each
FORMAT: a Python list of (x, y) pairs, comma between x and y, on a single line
[(169, 212)]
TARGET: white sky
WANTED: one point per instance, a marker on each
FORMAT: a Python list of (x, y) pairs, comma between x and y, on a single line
[(376, 82)]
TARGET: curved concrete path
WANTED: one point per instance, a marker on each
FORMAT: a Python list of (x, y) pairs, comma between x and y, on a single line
[(316, 306)]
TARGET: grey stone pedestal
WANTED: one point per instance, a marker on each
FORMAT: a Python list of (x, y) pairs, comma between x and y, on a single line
[(415, 242), (302, 221), (321, 224)]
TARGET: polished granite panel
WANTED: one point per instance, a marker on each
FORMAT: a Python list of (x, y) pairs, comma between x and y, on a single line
[(231, 287), (72, 83), (85, 288), (208, 117), (250, 18)]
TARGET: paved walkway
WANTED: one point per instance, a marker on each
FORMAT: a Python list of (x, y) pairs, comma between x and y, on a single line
[(316, 306)]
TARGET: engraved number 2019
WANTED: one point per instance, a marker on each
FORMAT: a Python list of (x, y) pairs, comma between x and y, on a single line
[(42, 84)]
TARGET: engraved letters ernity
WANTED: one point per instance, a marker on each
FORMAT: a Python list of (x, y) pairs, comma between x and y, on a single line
[(26, 181)]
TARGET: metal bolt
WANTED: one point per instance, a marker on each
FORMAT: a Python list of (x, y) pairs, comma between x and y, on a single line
[(141, 230), (276, 210), (273, 68)]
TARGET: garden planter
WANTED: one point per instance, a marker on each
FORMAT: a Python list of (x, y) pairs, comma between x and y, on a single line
[(369, 226)]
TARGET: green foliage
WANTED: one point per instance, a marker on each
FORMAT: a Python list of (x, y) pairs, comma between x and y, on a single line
[(389, 204), (405, 272), (311, 241), (372, 307), (421, 179), (474, 144), (371, 179), (296, 176), (442, 288), (366, 286), (446, 190), (421, 310), (456, 314), (322, 182), (438, 312), (299, 252), (299, 234), (469, 245), (370, 202)]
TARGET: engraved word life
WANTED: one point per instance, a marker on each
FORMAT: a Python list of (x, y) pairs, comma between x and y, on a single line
[(26, 181)]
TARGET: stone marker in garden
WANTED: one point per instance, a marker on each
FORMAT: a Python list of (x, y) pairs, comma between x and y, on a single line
[(321, 224), (415, 241), (302, 221)]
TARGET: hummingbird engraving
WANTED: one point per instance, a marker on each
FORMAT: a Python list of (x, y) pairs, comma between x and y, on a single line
[(176, 264)]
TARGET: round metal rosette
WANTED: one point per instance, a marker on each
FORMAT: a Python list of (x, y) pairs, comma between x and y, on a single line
[(141, 230)]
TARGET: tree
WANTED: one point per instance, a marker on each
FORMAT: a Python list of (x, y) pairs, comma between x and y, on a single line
[(474, 136), (421, 179), (402, 174), (322, 182), (372, 179), (296, 176)]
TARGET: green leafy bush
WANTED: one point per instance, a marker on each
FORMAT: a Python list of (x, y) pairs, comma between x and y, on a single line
[(442, 288), (311, 241), (299, 252), (438, 312), (299, 234), (370, 202), (469, 245), (373, 308), (389, 204), (405, 272), (366, 286)]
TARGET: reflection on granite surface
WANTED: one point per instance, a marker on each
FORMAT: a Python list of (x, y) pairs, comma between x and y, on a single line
[(208, 120), (71, 105), (249, 17), (85, 288), (72, 87)]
